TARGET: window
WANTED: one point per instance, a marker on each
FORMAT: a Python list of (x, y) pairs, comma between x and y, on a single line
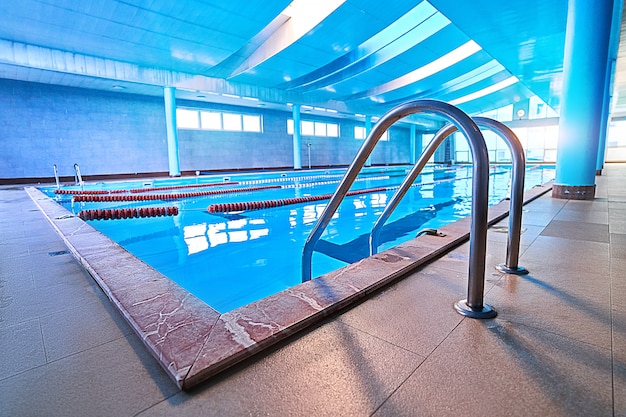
[(307, 128), (320, 129), (232, 121), (187, 119), (212, 120), (310, 128), (251, 123), (359, 133), (332, 130)]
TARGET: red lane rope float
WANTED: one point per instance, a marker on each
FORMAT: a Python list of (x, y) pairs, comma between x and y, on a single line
[(90, 192), (127, 213), (173, 196), (258, 205)]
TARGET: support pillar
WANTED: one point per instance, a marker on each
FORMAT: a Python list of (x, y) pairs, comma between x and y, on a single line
[(584, 76), (169, 95), (297, 138), (368, 129), (413, 144), (608, 94)]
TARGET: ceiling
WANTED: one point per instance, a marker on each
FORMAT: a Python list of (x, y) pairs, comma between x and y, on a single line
[(348, 56)]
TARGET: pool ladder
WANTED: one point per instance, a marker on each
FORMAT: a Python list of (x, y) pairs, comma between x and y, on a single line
[(473, 306), (56, 176), (78, 177)]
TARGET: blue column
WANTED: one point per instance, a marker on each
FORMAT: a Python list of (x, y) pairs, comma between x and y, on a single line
[(413, 145), (297, 138), (613, 48), (604, 123), (368, 129), (584, 76), (169, 94)]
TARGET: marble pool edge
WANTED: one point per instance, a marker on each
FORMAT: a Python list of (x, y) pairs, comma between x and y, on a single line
[(191, 340)]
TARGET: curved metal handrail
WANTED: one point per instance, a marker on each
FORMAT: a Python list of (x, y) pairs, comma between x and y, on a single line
[(517, 190), (518, 161), (56, 176), (473, 306)]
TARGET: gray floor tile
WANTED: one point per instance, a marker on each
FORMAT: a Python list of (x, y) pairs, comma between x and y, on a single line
[(43, 301), (574, 306), (77, 329), (496, 368), (549, 253), (591, 232), (21, 348), (598, 204), (335, 370), (618, 245), (583, 216), (116, 379), (424, 301)]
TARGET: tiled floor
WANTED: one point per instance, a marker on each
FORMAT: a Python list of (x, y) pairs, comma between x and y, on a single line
[(557, 347)]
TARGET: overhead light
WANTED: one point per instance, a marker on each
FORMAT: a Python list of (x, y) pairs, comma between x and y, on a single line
[(453, 57), (250, 98), (481, 93), (118, 87), (230, 95)]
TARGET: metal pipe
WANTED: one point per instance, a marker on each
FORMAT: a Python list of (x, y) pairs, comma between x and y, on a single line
[(56, 176), (79, 178), (406, 184), (518, 161), (473, 306)]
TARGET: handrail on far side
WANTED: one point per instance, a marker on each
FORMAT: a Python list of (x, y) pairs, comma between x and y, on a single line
[(56, 176), (517, 189), (473, 306), (79, 178)]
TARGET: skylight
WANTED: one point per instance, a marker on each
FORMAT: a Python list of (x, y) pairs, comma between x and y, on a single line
[(439, 64), (303, 16), (485, 91)]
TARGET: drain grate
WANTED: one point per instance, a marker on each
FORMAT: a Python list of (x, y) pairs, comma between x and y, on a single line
[(59, 252)]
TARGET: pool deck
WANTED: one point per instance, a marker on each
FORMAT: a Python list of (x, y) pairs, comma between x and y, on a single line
[(557, 347)]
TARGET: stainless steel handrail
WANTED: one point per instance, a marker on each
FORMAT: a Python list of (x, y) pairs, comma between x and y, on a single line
[(518, 161), (56, 176), (517, 190), (473, 306), (79, 178)]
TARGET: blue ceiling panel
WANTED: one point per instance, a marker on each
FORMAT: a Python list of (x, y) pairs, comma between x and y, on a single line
[(363, 57), (187, 36), (324, 43), (528, 38)]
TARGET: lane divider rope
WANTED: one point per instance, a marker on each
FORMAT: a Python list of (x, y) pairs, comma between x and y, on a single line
[(127, 213), (173, 196), (258, 205)]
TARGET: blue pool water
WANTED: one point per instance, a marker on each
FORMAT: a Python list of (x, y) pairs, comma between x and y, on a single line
[(231, 259)]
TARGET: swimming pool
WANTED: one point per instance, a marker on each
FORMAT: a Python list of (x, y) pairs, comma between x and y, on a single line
[(229, 259)]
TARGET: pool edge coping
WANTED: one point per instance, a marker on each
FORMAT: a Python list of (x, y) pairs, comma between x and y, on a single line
[(191, 340)]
